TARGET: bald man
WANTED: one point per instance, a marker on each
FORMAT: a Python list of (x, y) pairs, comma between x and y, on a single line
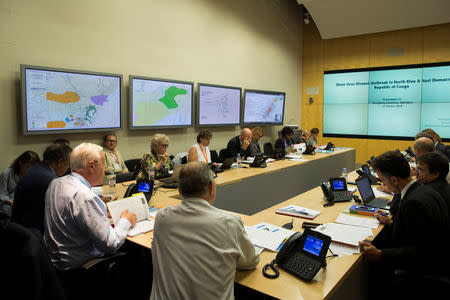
[(240, 144)]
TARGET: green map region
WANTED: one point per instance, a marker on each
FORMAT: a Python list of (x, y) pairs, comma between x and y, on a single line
[(169, 96)]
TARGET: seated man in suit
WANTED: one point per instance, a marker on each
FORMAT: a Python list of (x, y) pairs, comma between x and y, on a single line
[(240, 144), (417, 239), (438, 146), (77, 228), (196, 247), (29, 203), (254, 148), (432, 169), (422, 145)]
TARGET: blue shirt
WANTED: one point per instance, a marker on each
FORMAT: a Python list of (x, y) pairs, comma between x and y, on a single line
[(77, 228)]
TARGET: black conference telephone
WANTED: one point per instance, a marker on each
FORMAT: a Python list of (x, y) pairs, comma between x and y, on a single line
[(310, 150), (259, 161), (278, 153), (329, 146), (302, 254)]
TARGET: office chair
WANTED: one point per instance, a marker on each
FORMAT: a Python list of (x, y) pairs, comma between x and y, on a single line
[(214, 156), (132, 163), (268, 149), (223, 153), (27, 272), (122, 177)]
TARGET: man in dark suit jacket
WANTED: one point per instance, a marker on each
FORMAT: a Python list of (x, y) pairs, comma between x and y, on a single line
[(29, 201), (417, 237), (432, 170), (240, 144)]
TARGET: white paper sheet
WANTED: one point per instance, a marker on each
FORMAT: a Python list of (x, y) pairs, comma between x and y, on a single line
[(357, 221), (141, 227), (341, 249), (345, 234), (267, 235), (380, 194)]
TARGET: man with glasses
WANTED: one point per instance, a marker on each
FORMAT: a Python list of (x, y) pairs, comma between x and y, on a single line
[(114, 161)]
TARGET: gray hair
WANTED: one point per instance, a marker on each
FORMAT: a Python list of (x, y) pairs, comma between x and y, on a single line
[(82, 154), (157, 140), (194, 179)]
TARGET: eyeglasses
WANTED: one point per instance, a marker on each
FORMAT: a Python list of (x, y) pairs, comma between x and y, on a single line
[(111, 141), (165, 145)]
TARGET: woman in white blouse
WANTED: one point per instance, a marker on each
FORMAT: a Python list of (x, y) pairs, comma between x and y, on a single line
[(200, 151)]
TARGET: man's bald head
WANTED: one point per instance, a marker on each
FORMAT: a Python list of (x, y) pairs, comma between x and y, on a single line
[(423, 145), (194, 179), (246, 133)]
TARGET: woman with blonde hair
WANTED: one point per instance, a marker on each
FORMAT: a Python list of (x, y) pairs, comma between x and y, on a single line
[(157, 157), (254, 148)]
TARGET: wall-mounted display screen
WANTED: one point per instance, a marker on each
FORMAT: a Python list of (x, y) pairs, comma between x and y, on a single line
[(160, 103), (218, 105), (263, 107), (59, 100), (391, 102)]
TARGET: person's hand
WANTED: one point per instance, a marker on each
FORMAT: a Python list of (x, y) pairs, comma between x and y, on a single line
[(9, 202), (384, 188), (131, 217), (385, 220), (370, 252), (245, 143), (163, 157)]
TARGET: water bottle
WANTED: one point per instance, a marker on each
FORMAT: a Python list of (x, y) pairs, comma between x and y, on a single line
[(238, 160), (344, 174), (151, 172), (112, 183)]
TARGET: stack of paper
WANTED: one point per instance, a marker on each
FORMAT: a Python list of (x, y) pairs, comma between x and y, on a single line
[(345, 234), (357, 221), (298, 211), (267, 235)]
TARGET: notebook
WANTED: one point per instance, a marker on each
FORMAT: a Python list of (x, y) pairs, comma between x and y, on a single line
[(368, 196), (136, 204)]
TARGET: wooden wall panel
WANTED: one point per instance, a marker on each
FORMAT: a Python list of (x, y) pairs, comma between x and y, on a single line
[(347, 53), (386, 47), (436, 43)]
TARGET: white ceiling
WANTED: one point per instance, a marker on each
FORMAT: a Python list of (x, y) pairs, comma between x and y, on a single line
[(340, 18)]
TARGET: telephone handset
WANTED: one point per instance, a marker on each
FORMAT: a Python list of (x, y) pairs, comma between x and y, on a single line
[(302, 254), (365, 171), (259, 161), (327, 192)]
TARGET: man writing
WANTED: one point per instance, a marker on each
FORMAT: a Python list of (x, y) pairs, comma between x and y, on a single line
[(77, 229), (196, 247)]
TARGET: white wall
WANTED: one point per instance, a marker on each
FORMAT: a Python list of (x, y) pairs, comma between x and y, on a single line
[(254, 44)]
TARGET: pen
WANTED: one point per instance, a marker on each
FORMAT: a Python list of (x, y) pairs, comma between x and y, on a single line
[(383, 214)]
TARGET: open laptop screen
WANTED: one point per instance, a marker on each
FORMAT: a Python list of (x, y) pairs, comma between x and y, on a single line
[(365, 189)]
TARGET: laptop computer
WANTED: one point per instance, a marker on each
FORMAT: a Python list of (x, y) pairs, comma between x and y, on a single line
[(172, 182), (368, 196), (339, 189), (225, 165)]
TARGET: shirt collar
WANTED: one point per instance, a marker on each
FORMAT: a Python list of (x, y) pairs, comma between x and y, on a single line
[(405, 189), (81, 178)]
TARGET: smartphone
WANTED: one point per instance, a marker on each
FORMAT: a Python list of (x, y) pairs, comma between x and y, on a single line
[(365, 208)]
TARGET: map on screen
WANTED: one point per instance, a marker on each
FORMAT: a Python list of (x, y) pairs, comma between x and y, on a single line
[(219, 105), (263, 107), (158, 103), (59, 100)]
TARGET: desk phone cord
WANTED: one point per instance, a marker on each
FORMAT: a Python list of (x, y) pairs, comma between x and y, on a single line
[(271, 265)]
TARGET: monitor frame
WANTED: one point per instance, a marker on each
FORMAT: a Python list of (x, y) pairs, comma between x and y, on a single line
[(130, 121), (261, 123), (197, 124), (23, 100)]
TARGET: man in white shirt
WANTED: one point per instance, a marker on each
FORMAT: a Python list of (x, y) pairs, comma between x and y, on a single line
[(196, 247), (77, 229)]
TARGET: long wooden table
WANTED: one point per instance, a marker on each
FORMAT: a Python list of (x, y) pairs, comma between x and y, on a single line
[(327, 281)]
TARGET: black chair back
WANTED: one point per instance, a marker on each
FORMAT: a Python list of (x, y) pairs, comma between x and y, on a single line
[(122, 177), (215, 157), (223, 153), (132, 163), (268, 149)]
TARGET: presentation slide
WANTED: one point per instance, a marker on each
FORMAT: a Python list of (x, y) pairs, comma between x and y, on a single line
[(60, 100), (394, 102), (218, 105), (157, 103), (263, 107)]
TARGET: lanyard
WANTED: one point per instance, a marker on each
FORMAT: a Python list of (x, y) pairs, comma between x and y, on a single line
[(115, 156), (96, 198), (204, 153), (80, 180)]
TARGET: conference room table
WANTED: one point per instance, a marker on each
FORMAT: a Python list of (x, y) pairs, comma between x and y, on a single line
[(342, 278)]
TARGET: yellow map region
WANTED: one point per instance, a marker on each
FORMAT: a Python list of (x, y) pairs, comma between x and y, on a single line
[(150, 113), (56, 124), (67, 97)]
